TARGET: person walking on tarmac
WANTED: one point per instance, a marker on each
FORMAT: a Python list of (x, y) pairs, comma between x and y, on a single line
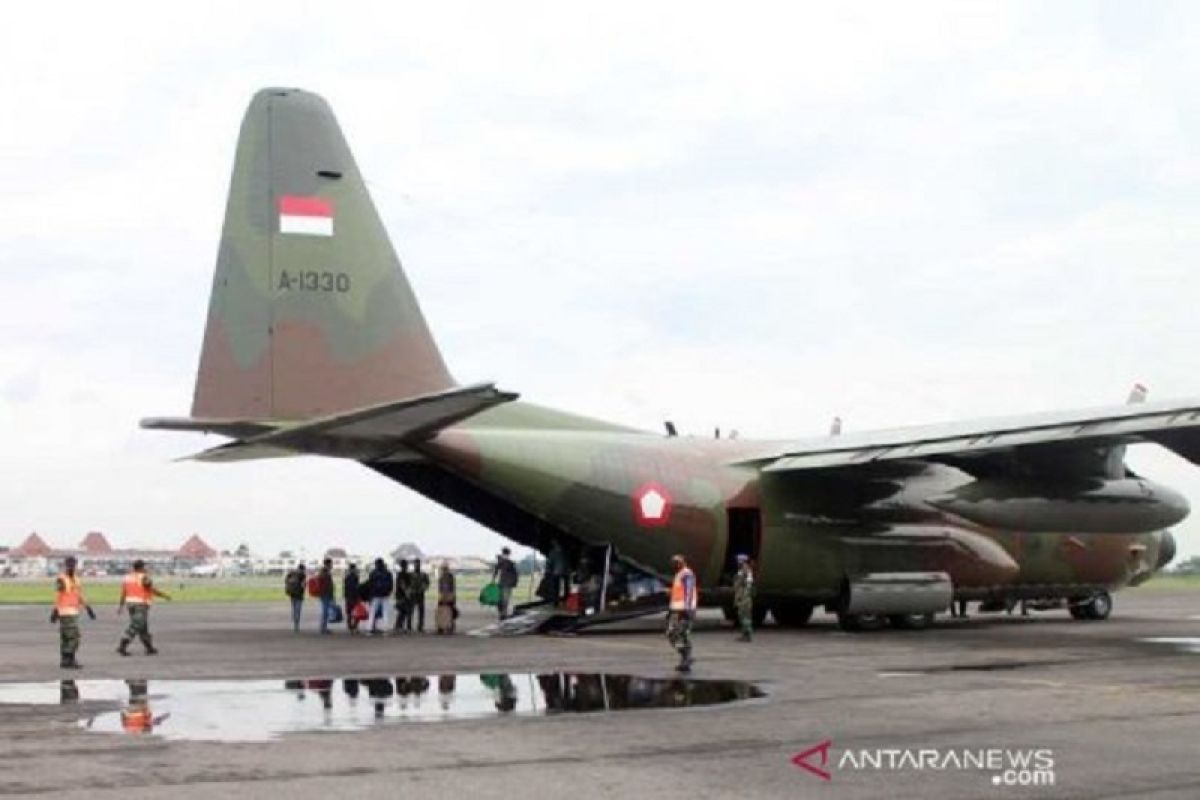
[(137, 592), (68, 600), (743, 597), (682, 611)]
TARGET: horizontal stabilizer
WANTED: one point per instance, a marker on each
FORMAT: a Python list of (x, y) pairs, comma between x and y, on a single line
[(233, 428), (365, 434)]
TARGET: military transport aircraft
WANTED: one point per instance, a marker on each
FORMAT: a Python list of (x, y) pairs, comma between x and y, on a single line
[(315, 345)]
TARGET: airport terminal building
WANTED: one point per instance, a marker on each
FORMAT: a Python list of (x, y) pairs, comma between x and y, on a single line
[(34, 557)]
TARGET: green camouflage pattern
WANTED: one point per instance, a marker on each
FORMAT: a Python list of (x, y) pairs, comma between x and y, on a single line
[(139, 626), (69, 636), (299, 325), (348, 334)]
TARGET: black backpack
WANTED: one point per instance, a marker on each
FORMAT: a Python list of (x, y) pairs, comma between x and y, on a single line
[(381, 584)]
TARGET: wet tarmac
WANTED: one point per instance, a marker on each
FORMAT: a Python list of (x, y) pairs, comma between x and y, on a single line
[(1119, 714), (1184, 644), (262, 710)]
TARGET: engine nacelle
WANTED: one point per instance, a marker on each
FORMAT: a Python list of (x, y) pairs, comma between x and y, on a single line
[(1126, 505), (899, 593)]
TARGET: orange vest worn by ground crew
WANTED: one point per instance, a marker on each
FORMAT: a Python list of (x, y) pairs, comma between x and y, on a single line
[(136, 591), (683, 591), (68, 599)]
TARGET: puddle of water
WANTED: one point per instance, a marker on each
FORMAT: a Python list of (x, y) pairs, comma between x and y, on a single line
[(990, 666), (1184, 644), (261, 710)]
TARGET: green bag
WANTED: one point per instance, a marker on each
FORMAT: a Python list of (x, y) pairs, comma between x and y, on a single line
[(490, 595)]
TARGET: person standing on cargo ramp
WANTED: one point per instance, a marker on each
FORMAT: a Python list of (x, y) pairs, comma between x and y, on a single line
[(681, 612), (743, 597), (137, 592), (68, 600), (506, 573)]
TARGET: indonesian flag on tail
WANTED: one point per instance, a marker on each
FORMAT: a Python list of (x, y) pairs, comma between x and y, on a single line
[(311, 216)]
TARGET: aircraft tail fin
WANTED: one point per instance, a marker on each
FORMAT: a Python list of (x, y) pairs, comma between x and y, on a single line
[(310, 314)]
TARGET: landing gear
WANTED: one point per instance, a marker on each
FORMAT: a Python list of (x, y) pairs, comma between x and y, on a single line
[(792, 615), (911, 622), (1097, 607), (859, 623)]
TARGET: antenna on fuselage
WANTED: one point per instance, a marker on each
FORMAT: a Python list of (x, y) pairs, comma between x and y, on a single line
[(670, 426), (1137, 394), (835, 427)]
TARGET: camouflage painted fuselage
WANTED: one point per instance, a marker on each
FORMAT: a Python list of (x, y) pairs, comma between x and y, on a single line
[(526, 471)]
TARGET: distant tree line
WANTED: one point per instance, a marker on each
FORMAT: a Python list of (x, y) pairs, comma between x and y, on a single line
[(1189, 567)]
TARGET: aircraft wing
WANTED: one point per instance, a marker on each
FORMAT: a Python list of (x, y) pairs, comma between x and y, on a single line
[(1172, 424), (362, 434)]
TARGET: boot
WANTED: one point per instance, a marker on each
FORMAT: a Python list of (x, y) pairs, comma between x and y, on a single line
[(69, 662), (745, 637), (685, 662), (151, 650), (123, 647)]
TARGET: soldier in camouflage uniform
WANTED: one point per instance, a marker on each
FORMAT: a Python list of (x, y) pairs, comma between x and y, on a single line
[(137, 591), (743, 597), (68, 602), (682, 611)]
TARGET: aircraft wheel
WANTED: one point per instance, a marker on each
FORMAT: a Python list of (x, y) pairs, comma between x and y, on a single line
[(860, 622), (911, 622), (792, 615), (1097, 607)]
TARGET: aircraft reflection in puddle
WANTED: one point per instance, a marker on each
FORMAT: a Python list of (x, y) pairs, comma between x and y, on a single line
[(260, 710)]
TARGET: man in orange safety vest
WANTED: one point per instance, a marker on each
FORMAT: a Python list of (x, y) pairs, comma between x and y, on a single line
[(68, 602), (137, 592), (682, 611)]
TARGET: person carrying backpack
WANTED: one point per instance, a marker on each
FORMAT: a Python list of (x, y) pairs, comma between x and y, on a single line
[(293, 586), (380, 586)]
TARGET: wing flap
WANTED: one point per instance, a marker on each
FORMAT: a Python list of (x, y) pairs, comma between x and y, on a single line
[(1173, 424)]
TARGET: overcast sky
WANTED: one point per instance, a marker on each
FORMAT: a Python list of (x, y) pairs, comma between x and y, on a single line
[(753, 216)]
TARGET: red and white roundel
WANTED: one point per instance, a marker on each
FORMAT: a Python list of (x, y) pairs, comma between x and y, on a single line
[(652, 505)]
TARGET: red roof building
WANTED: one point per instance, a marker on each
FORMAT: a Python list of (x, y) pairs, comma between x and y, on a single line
[(196, 548), (32, 547), (95, 543)]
